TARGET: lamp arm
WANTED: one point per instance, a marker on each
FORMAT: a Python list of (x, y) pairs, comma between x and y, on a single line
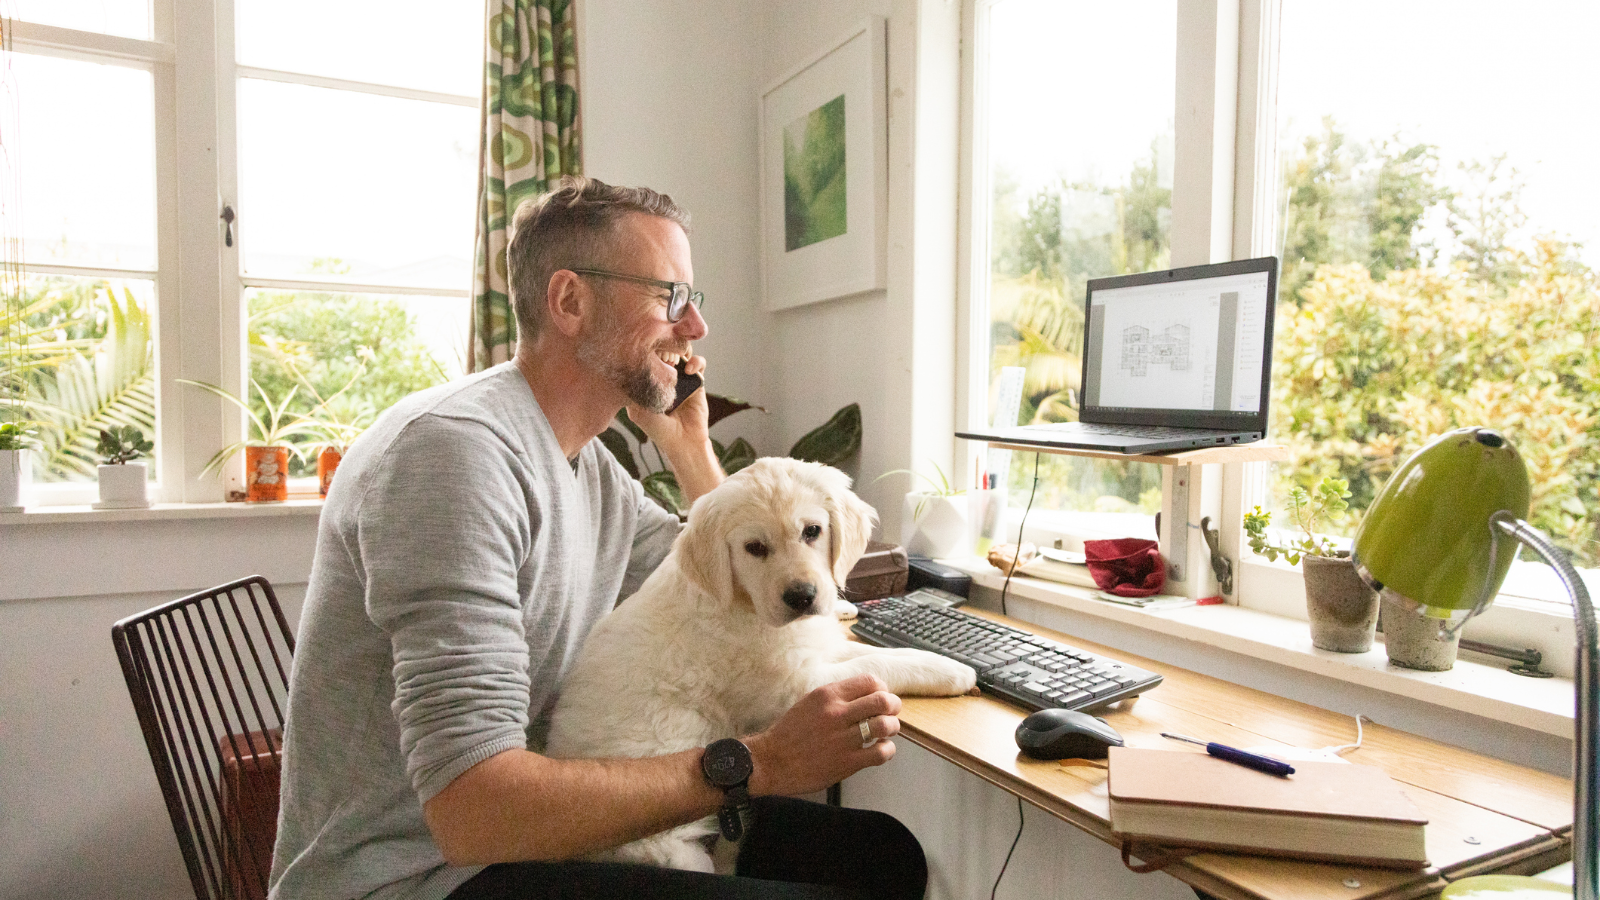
[(1585, 824)]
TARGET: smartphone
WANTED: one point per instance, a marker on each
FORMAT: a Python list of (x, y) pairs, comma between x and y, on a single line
[(687, 384)]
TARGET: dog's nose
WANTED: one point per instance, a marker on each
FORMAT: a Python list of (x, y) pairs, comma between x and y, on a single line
[(799, 595)]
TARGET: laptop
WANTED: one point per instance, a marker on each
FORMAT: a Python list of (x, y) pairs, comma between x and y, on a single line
[(1172, 360)]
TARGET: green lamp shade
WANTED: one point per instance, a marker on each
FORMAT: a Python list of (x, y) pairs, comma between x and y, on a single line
[(1427, 535)]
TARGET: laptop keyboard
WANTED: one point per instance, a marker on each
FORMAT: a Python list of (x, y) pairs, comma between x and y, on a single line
[(1015, 665), (1141, 431)]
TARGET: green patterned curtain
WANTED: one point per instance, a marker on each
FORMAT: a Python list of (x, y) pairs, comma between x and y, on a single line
[(530, 139)]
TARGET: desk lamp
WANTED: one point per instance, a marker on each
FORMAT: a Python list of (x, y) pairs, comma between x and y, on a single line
[(1438, 540)]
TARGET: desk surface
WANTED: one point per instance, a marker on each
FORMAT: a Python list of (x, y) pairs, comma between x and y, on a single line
[(1484, 814)]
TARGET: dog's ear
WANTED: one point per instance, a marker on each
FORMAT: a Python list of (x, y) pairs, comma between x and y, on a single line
[(851, 520), (702, 554)]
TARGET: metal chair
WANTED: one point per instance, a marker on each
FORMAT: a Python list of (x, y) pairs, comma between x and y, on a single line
[(208, 675)]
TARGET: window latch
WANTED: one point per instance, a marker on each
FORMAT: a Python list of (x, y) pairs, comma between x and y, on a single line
[(1220, 565), (227, 228)]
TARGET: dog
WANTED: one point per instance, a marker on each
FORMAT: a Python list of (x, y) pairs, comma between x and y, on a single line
[(735, 626)]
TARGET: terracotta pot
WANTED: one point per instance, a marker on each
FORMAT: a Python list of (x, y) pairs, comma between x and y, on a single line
[(1343, 611), (327, 461), (266, 474)]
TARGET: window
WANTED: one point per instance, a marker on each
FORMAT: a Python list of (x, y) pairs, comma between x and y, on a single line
[(1430, 212), (1438, 246), (312, 216), (1078, 185)]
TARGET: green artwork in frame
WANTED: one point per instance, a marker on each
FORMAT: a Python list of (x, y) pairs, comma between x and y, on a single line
[(814, 176)]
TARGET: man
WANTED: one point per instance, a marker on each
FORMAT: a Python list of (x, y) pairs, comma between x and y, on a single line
[(472, 538)]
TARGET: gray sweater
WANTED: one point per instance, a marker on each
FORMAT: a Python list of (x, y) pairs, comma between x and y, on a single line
[(460, 562)]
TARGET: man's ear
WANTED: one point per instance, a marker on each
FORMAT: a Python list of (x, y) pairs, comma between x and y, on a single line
[(567, 302)]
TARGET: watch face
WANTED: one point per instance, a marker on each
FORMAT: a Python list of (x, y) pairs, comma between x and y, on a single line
[(726, 763)]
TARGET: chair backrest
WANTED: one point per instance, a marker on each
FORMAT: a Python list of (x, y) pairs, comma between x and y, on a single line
[(208, 675)]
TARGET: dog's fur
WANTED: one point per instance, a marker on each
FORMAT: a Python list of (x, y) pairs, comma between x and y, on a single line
[(734, 628)]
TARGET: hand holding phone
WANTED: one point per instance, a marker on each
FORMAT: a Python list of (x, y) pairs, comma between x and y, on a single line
[(687, 385)]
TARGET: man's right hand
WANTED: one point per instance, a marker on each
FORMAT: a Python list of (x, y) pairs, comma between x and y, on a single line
[(818, 742)]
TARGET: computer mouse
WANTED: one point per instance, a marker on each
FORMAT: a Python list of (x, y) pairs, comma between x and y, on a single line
[(1066, 734)]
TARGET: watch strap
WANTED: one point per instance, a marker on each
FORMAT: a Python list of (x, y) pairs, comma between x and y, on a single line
[(734, 814)]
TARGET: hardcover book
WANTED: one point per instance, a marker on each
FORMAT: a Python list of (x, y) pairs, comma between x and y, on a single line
[(1337, 812)]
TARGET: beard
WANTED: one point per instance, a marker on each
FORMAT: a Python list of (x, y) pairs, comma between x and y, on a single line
[(603, 349)]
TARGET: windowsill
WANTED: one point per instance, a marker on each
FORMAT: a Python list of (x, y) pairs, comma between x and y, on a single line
[(86, 514), (1541, 704)]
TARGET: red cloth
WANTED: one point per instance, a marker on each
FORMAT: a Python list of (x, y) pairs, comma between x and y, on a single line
[(1127, 567)]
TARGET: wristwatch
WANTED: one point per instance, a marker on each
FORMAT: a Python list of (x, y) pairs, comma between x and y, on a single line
[(727, 764)]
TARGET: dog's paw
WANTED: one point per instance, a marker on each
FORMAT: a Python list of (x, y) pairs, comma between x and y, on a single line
[(962, 678)]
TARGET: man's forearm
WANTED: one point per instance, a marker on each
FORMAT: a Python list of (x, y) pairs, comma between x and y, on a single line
[(697, 470), (519, 805)]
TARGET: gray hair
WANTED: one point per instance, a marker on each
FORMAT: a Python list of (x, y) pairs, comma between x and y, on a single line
[(575, 225)]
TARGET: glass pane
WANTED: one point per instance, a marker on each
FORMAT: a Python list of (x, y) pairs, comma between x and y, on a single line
[(372, 188), (349, 357), (434, 45), (88, 190), (79, 357), (1081, 175), (1439, 245), (124, 18)]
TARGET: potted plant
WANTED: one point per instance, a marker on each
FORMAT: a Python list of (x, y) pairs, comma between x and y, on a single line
[(15, 439), (933, 522), (1343, 611), (831, 443), (122, 481), (266, 451)]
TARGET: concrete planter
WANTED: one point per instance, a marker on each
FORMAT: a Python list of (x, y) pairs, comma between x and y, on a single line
[(1415, 641), (1342, 610), (123, 486)]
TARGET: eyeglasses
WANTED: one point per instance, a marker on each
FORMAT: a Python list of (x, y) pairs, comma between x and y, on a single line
[(677, 303)]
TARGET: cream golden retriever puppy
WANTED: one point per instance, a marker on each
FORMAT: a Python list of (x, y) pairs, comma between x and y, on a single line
[(733, 629)]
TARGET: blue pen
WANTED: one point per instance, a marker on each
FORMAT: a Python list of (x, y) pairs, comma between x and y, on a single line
[(1244, 758)]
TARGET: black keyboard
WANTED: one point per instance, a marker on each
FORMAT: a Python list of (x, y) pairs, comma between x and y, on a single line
[(1015, 665)]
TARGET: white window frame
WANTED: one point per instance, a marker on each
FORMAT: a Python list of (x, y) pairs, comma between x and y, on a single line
[(1224, 207), (200, 322)]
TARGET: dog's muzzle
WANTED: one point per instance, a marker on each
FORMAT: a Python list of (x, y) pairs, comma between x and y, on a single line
[(799, 595)]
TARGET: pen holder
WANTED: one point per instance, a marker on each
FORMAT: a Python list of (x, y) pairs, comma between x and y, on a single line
[(986, 514)]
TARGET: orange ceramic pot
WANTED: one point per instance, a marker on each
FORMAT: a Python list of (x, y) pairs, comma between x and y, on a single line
[(266, 474), (327, 461)]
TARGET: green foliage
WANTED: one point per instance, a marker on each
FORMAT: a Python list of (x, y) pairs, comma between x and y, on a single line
[(1308, 512), (1384, 343), (277, 428), (119, 446), (937, 487), (831, 443), (15, 436)]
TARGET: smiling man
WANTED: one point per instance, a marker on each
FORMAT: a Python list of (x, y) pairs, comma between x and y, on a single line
[(473, 537)]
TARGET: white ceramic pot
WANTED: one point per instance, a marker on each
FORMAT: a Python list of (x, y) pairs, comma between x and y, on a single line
[(935, 526), (123, 487), (14, 476)]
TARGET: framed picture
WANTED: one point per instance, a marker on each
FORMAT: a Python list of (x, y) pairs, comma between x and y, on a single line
[(824, 173)]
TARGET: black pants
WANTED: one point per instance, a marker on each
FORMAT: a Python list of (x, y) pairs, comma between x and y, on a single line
[(796, 850)]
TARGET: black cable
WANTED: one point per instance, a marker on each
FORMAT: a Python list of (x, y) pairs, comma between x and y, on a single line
[(1016, 559), (1020, 823)]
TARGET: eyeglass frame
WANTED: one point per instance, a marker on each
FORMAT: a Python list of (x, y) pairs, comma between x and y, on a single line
[(688, 294)]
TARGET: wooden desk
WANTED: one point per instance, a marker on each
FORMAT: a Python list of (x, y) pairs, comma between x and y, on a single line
[(1484, 815)]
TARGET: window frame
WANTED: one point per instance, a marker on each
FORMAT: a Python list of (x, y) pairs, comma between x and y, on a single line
[(1224, 207), (199, 282)]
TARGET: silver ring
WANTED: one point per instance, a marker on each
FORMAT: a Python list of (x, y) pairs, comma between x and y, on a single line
[(867, 740)]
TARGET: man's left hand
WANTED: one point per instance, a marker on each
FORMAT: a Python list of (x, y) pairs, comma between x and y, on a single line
[(684, 438)]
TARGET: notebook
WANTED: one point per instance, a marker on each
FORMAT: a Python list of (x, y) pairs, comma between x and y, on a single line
[(1172, 360), (1331, 811)]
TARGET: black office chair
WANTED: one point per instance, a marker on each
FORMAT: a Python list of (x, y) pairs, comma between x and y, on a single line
[(208, 675)]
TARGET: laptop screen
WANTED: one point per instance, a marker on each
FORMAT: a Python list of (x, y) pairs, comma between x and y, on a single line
[(1190, 347)]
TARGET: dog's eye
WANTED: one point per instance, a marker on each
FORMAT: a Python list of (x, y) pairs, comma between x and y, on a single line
[(756, 549), (811, 533)]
